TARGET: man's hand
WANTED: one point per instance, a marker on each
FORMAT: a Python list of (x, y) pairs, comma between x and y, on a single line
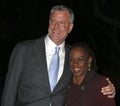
[(109, 90)]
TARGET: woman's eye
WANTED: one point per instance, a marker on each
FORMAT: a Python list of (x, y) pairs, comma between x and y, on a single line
[(80, 59), (71, 60)]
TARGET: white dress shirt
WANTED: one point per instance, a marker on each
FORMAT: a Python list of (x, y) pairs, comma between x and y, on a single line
[(50, 49)]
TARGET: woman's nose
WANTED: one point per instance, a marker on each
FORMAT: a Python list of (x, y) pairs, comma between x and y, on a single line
[(75, 62)]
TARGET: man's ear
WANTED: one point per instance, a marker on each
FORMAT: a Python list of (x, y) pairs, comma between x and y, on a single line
[(71, 27)]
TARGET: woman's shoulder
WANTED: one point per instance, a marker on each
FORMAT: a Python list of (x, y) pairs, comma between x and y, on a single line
[(100, 79)]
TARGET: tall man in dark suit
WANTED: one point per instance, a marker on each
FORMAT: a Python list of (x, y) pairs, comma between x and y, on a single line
[(27, 82)]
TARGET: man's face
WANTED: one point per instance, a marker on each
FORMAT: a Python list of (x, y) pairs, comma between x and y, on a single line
[(59, 26)]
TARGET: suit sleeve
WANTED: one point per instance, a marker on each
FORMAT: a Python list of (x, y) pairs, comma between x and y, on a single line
[(12, 78), (103, 99)]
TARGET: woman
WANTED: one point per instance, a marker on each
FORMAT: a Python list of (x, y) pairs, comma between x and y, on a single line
[(85, 89)]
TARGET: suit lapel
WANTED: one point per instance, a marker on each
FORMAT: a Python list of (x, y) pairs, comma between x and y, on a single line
[(40, 50), (67, 75)]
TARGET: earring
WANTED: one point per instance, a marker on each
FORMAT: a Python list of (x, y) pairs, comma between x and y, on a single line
[(89, 66)]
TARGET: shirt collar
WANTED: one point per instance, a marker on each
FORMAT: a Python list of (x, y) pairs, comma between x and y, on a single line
[(50, 45)]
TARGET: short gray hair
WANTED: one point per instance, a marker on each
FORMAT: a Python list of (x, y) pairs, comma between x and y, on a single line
[(63, 8)]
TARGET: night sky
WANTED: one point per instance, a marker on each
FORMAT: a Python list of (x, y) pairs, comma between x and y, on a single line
[(97, 22)]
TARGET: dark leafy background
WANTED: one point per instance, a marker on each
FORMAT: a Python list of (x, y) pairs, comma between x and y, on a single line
[(97, 22)]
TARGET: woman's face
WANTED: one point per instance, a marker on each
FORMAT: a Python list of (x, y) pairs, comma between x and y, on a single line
[(59, 26), (79, 61)]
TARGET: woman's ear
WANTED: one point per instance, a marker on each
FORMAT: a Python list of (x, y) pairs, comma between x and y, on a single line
[(89, 60), (89, 63)]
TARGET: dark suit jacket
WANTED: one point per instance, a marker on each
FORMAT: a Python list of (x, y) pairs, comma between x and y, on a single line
[(27, 82)]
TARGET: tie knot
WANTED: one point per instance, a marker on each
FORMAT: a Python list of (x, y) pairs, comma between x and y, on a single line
[(57, 48)]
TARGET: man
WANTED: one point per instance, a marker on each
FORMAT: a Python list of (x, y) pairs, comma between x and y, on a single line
[(27, 82)]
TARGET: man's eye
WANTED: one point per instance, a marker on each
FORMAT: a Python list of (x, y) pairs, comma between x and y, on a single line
[(52, 21), (62, 23)]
